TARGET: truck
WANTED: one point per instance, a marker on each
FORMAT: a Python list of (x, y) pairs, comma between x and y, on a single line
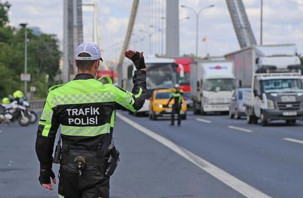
[(274, 74), (111, 73), (161, 73), (183, 77), (212, 84)]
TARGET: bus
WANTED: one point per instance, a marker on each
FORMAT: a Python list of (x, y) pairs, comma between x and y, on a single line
[(161, 73)]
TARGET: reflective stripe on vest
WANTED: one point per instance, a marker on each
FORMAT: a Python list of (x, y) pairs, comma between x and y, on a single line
[(89, 131)]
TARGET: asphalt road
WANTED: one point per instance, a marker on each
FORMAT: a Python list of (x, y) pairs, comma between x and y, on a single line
[(207, 157)]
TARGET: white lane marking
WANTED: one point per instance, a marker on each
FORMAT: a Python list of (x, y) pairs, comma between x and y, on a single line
[(203, 120), (293, 140), (240, 129), (228, 179)]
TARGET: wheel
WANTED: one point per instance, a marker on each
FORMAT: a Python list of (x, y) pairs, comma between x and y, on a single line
[(154, 116), (290, 121), (255, 120), (263, 120), (230, 115), (202, 112), (249, 119), (184, 117), (237, 116), (195, 110), (33, 117), (23, 120)]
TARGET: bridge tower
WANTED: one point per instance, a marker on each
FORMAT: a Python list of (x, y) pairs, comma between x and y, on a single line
[(241, 23), (72, 35)]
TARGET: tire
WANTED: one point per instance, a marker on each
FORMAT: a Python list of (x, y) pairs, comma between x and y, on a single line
[(255, 120), (195, 110), (237, 116), (264, 121), (154, 116), (249, 119), (184, 117), (33, 117), (230, 115), (290, 121), (23, 121), (202, 112)]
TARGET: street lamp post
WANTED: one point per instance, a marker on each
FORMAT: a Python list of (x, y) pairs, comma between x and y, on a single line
[(162, 36), (261, 24), (197, 14), (150, 34), (24, 25)]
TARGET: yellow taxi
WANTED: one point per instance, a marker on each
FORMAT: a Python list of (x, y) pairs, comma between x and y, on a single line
[(158, 104)]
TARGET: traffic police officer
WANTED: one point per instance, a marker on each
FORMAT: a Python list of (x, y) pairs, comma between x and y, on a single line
[(177, 95), (84, 108)]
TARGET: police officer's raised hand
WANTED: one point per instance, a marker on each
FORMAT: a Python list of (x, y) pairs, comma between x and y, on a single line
[(137, 58), (44, 178)]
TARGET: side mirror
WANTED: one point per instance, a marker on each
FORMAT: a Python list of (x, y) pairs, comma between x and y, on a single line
[(257, 61), (240, 83), (255, 93)]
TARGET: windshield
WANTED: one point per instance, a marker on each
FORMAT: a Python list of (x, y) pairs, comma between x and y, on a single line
[(219, 85), (160, 75), (185, 80), (163, 95), (282, 85), (186, 95), (240, 95)]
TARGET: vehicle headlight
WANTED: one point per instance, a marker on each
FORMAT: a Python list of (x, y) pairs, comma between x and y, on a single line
[(206, 101), (159, 105), (270, 104)]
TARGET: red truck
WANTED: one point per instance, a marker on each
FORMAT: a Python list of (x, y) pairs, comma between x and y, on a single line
[(183, 77), (113, 75)]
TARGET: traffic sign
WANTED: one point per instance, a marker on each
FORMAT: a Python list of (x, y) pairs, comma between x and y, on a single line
[(25, 77)]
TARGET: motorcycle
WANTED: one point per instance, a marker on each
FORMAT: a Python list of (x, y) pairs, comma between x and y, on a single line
[(15, 112), (33, 116)]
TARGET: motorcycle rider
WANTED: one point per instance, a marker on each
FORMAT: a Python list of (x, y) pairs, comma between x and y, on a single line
[(177, 95), (85, 110)]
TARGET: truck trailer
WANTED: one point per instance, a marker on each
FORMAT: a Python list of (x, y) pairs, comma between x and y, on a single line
[(274, 74)]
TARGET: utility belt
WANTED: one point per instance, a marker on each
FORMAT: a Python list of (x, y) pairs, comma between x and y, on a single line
[(81, 159), (89, 161)]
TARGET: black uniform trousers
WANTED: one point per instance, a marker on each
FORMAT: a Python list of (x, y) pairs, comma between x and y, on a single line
[(91, 184), (176, 110)]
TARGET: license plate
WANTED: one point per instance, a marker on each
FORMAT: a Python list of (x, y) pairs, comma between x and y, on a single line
[(289, 113), (168, 111), (288, 98)]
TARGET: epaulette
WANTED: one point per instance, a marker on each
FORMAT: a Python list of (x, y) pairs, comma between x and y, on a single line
[(54, 87), (106, 80)]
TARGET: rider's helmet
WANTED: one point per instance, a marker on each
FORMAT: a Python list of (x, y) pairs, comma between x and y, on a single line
[(177, 86), (18, 94), (6, 100)]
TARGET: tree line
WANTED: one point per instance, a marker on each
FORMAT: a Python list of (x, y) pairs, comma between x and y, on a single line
[(43, 57)]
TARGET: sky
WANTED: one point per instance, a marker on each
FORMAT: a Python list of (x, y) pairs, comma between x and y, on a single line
[(282, 23)]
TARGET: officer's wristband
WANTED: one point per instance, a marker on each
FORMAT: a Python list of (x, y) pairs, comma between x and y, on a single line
[(138, 62)]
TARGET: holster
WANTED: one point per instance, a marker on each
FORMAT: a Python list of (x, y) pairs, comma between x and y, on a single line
[(113, 160), (58, 152)]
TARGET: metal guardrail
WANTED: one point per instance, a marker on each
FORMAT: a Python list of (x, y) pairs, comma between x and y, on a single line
[(37, 104)]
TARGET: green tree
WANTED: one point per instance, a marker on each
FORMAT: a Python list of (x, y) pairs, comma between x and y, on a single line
[(43, 57), (4, 7)]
